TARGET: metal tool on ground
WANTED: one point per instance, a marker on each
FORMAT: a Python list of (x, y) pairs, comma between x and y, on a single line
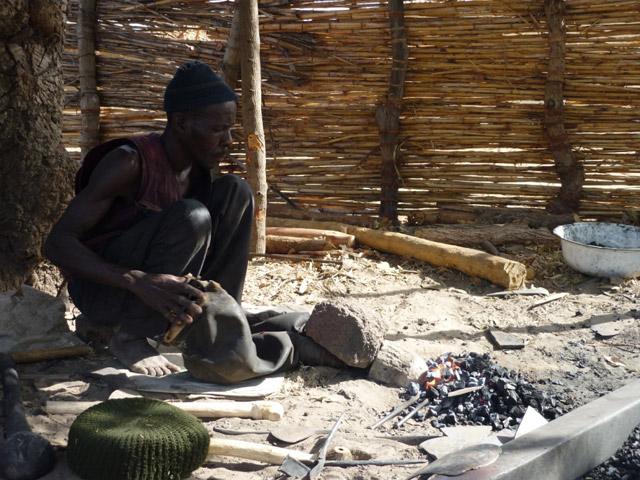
[(284, 434), (455, 393), (395, 412), (24, 455), (415, 410), (460, 461), (320, 461), (293, 435), (293, 468)]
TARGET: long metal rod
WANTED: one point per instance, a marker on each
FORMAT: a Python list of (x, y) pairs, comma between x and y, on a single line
[(412, 412), (395, 412), (322, 455)]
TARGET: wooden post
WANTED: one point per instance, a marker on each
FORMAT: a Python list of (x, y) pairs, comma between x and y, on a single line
[(388, 115), (230, 67), (89, 100), (569, 169), (250, 71)]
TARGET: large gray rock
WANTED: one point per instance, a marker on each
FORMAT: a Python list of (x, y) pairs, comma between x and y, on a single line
[(347, 330), (396, 367)]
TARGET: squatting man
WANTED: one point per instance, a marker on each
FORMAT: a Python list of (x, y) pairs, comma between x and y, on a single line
[(148, 218)]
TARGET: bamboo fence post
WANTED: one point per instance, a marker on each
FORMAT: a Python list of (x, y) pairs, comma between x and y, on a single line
[(568, 168), (89, 99), (388, 115), (250, 71)]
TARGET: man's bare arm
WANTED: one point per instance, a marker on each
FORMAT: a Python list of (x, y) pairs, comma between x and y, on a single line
[(116, 176)]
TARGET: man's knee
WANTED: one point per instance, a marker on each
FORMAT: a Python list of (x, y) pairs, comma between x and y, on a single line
[(235, 189), (190, 215)]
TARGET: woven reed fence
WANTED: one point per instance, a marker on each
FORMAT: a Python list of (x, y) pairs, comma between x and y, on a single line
[(472, 125)]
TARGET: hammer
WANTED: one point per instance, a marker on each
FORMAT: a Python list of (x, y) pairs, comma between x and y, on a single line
[(24, 455)]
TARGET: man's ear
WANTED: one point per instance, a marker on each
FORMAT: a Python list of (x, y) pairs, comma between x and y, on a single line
[(180, 121)]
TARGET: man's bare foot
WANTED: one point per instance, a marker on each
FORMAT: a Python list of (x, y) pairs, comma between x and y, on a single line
[(137, 355)]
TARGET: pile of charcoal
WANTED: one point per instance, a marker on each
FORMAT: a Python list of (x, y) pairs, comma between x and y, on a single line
[(487, 393)]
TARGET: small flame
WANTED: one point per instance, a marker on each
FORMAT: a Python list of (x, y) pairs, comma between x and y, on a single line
[(434, 376)]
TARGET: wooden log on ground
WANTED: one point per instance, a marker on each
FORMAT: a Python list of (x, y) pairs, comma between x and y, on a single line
[(474, 235), (313, 224), (498, 270), (283, 244), (331, 236), (49, 354)]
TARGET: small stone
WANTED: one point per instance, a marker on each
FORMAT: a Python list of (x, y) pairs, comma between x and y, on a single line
[(395, 366)]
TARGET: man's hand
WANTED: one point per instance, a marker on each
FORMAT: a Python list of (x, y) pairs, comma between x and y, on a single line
[(170, 295)]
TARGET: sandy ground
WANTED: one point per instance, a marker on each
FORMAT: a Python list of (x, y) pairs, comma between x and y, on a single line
[(429, 311)]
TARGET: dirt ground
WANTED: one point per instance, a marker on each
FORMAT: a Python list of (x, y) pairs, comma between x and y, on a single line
[(429, 311)]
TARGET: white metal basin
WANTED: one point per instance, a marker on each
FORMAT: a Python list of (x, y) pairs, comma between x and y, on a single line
[(601, 249)]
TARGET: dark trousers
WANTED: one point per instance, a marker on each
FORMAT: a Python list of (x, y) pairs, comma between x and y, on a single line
[(208, 240)]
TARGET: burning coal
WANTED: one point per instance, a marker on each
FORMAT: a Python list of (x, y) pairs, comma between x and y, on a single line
[(487, 393)]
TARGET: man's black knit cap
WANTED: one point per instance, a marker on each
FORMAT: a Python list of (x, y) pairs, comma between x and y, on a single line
[(195, 85)]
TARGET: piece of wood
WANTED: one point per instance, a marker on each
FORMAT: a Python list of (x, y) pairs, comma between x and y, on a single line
[(388, 115), (284, 245), (282, 211), (475, 235), (569, 169), (250, 72), (50, 354), (550, 298), (255, 451), (307, 257), (501, 271), (257, 410), (332, 236), (308, 223)]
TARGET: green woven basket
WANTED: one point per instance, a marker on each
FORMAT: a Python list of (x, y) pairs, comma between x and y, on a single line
[(136, 439)]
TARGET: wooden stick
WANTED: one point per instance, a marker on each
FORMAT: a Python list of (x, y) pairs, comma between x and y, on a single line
[(255, 451), (50, 354), (336, 238), (258, 410), (247, 450), (284, 245), (295, 258)]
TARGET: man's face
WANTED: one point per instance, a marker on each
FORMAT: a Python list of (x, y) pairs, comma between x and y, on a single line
[(207, 133)]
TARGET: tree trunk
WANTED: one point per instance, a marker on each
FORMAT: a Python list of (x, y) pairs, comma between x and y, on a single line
[(250, 69), (35, 170), (388, 116), (569, 169)]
